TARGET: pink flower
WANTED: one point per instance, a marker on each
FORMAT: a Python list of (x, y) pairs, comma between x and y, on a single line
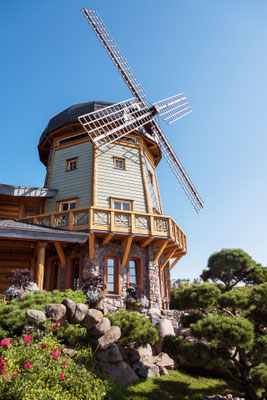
[(16, 373), (2, 361), (61, 378), (57, 324), (27, 364), (2, 366), (27, 339), (64, 363), (44, 346), (52, 328), (74, 378), (56, 354), (5, 342)]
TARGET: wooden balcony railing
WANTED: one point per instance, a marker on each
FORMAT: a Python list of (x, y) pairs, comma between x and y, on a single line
[(114, 221)]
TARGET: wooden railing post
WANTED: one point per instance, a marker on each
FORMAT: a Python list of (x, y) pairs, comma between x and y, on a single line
[(71, 220), (132, 223), (151, 221), (53, 220), (170, 227), (91, 218), (112, 221)]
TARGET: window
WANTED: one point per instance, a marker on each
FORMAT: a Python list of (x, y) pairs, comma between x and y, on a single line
[(72, 164), (134, 273), (128, 139), (55, 275), (119, 163), (111, 275), (72, 138), (150, 177), (67, 205), (124, 205), (75, 274)]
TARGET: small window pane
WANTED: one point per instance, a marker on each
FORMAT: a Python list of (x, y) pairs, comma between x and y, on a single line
[(132, 279), (110, 262), (126, 206), (110, 270), (64, 207), (72, 205), (110, 287), (132, 263), (117, 205), (110, 278)]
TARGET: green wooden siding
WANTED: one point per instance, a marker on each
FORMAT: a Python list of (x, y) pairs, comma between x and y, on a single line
[(76, 183), (122, 184), (151, 187)]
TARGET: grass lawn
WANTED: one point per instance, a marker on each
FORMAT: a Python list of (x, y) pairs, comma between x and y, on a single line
[(177, 385)]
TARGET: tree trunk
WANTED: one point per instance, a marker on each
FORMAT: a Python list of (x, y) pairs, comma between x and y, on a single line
[(249, 389)]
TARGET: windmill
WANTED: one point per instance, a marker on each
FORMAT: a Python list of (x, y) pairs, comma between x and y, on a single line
[(115, 121)]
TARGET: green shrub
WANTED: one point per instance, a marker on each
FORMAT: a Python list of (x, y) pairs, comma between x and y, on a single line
[(72, 335), (135, 329), (12, 315), (40, 371), (191, 318)]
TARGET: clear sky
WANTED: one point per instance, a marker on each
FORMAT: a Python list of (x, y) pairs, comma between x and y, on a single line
[(214, 51)]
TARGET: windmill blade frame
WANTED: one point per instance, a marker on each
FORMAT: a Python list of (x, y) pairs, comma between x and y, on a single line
[(116, 55), (172, 108)]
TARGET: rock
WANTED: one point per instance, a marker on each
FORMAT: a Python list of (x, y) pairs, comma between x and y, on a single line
[(92, 318), (154, 313), (106, 340), (145, 368), (164, 328), (111, 354), (32, 330), (154, 321), (69, 351), (71, 306), (130, 355), (164, 360), (57, 312), (35, 316), (145, 351), (80, 313), (163, 371), (101, 328), (120, 371)]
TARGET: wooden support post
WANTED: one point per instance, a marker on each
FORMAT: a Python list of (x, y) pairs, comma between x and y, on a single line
[(132, 222), (151, 225), (53, 220), (146, 242), (160, 250), (167, 258), (91, 218), (92, 246), (112, 221), (175, 261), (108, 238), (40, 264), (60, 254), (170, 227), (71, 220), (127, 248)]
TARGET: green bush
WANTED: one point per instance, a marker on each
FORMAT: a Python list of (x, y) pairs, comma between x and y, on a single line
[(40, 371), (72, 335), (191, 318), (135, 329), (12, 315)]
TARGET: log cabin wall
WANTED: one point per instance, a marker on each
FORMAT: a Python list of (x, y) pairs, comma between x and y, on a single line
[(15, 207)]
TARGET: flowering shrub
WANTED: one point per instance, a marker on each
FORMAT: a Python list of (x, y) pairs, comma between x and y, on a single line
[(93, 287), (40, 371)]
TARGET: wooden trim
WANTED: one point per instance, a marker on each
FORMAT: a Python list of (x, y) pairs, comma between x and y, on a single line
[(113, 199), (157, 186), (127, 248), (146, 242), (119, 159), (60, 254), (117, 288), (40, 264), (71, 200), (167, 257), (92, 246), (94, 177), (160, 250), (68, 161), (141, 155), (74, 143), (108, 238), (50, 166)]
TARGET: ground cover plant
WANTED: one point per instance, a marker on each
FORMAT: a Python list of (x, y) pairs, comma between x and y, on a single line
[(39, 370), (12, 315), (135, 329), (230, 328)]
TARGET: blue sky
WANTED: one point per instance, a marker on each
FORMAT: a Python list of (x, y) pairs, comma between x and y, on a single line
[(214, 51)]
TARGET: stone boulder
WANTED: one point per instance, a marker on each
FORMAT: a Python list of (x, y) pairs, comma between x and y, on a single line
[(92, 318), (120, 371), (106, 340), (57, 312), (154, 313), (101, 328), (71, 306), (79, 314), (130, 354), (146, 368), (163, 360), (145, 351), (164, 328), (111, 354), (35, 316)]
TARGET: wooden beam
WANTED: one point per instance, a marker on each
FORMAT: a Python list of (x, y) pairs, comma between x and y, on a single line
[(141, 155), (108, 238), (60, 254), (175, 261), (158, 242), (40, 264), (160, 250), (146, 242), (92, 246), (167, 258), (94, 178), (126, 250)]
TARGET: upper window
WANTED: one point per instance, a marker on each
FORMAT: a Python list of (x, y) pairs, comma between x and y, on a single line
[(67, 205), (124, 205), (119, 163), (72, 138), (128, 139), (134, 273), (72, 164)]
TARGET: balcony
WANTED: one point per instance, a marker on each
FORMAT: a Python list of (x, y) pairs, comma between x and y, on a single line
[(108, 223)]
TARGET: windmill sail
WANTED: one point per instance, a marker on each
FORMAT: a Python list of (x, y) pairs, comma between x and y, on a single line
[(116, 55), (172, 108)]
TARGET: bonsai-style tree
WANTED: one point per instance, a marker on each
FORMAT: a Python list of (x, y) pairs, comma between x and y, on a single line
[(230, 331), (231, 266)]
